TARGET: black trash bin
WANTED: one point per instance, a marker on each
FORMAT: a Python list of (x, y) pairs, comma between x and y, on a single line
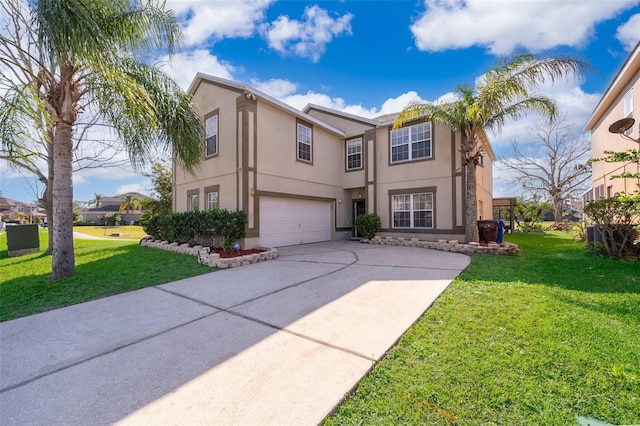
[(22, 239), (488, 231)]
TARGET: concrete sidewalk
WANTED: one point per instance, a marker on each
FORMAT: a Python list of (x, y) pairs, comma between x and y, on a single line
[(277, 342)]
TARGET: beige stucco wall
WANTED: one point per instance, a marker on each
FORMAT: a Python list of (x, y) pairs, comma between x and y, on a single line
[(272, 168), (349, 127), (436, 172), (602, 139), (218, 170)]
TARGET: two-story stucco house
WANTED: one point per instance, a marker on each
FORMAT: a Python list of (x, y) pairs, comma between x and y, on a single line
[(620, 101), (303, 176)]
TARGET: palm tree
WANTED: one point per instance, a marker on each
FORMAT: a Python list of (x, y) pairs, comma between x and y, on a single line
[(97, 199), (130, 202), (503, 93), (91, 57)]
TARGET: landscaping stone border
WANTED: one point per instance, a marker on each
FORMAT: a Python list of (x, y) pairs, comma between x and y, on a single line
[(207, 257), (453, 245)]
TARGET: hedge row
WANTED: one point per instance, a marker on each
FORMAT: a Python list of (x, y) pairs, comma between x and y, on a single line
[(185, 227)]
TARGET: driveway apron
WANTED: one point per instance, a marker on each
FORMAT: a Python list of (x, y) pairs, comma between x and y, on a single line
[(277, 342)]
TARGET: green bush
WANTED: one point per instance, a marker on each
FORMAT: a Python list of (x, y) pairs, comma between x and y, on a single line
[(616, 220), (184, 227), (368, 225)]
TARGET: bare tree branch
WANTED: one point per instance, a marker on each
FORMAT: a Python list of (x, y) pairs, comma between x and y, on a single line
[(555, 165)]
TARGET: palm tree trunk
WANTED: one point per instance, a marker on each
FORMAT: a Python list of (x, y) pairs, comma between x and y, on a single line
[(48, 192), (471, 226), (63, 259)]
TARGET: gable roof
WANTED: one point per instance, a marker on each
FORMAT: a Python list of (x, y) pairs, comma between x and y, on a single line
[(629, 69), (353, 117), (249, 91)]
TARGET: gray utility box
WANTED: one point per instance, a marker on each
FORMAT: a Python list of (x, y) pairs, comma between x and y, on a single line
[(22, 239)]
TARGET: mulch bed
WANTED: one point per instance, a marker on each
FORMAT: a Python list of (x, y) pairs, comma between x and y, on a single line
[(233, 253)]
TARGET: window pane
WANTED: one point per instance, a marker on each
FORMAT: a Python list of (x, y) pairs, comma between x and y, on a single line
[(400, 136), (212, 145), (304, 133), (211, 135), (401, 220), (212, 200), (399, 153), (354, 153), (304, 142), (304, 151)]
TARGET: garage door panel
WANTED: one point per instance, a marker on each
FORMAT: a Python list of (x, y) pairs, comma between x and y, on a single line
[(288, 221)]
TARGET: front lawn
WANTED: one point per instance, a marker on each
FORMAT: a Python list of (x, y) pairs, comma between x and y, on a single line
[(129, 232), (103, 268), (530, 340)]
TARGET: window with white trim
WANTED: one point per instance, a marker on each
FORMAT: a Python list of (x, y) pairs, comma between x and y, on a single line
[(628, 103), (412, 210), (304, 142), (354, 154), (411, 142), (599, 192), (211, 135), (193, 202), (212, 200)]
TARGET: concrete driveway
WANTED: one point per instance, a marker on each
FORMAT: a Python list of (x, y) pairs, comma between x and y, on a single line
[(277, 342)]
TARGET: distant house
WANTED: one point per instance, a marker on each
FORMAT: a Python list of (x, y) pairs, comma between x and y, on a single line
[(303, 176), (10, 209), (620, 101), (112, 205)]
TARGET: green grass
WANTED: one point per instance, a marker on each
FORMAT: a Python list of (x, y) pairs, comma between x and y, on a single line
[(126, 232), (530, 340), (103, 268)]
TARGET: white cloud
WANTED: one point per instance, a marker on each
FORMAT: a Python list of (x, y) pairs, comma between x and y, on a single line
[(142, 188), (206, 20), (307, 38), (276, 87), (502, 26), (183, 67), (629, 32), (571, 101)]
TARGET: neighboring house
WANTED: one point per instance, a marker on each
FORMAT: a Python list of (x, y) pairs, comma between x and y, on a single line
[(621, 100), (10, 209), (303, 176), (111, 205)]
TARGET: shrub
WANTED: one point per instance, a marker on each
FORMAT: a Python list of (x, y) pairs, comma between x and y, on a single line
[(368, 225), (111, 218), (187, 227), (616, 219), (530, 213)]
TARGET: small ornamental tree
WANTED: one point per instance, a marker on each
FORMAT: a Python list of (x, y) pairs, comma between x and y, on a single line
[(368, 225), (529, 213)]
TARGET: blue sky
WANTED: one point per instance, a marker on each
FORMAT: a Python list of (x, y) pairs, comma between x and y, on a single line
[(373, 57)]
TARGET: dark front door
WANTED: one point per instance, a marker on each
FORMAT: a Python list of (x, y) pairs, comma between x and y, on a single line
[(358, 209)]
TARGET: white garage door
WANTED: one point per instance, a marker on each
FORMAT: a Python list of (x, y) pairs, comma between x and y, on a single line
[(287, 221)]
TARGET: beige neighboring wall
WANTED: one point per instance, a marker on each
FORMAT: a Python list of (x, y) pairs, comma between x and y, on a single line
[(609, 110)]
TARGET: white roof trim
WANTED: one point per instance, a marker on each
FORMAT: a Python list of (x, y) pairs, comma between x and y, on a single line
[(263, 96)]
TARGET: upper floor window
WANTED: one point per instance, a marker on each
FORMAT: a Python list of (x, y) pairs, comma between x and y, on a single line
[(411, 142), (211, 135), (304, 142), (412, 210), (212, 200), (628, 103), (354, 154)]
